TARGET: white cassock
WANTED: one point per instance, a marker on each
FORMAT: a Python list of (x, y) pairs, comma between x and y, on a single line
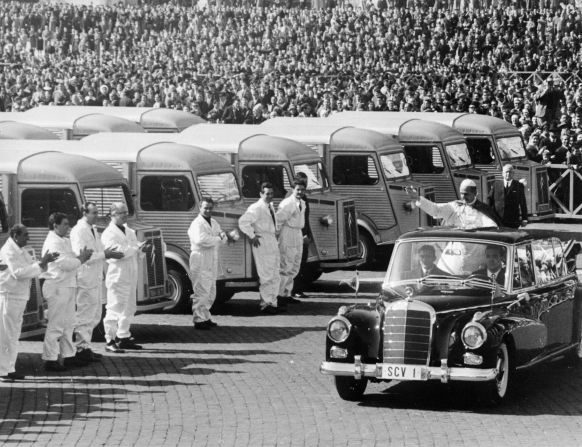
[(14, 294), (291, 220), (456, 213), (121, 281), (204, 242), (257, 220), (89, 282), (59, 290)]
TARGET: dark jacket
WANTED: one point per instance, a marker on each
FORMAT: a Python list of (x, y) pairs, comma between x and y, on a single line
[(509, 204), (500, 278)]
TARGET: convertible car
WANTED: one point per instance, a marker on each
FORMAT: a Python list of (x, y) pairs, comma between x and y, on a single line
[(460, 305)]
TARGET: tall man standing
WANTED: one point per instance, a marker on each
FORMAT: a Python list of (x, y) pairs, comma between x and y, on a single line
[(121, 280), (259, 224), (507, 199), (291, 220), (16, 273), (89, 278), (205, 237), (59, 290)]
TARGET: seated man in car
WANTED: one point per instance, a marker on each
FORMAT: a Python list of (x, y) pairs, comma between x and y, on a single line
[(494, 256), (427, 258)]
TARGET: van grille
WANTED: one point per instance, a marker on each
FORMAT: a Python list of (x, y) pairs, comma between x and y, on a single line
[(350, 229), (155, 262)]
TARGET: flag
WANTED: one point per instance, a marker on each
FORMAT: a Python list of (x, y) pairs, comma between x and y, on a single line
[(353, 282)]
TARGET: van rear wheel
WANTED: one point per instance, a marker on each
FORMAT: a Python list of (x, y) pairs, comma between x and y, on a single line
[(367, 248)]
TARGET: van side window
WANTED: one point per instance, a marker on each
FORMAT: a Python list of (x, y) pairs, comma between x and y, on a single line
[(523, 275), (354, 170), (481, 151), (254, 175), (38, 204), (166, 193), (424, 159)]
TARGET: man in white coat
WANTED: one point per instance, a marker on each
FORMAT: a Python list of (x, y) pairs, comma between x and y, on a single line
[(259, 224), (121, 280), (291, 220), (89, 280), (59, 290), (16, 273), (205, 237)]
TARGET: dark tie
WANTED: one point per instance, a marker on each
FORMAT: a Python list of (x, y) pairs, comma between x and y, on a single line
[(93, 232), (300, 208), (272, 215)]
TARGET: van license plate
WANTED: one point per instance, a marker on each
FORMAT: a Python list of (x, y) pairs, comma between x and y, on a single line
[(404, 372)]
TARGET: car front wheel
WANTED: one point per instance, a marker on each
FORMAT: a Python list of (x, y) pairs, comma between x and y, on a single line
[(500, 388), (349, 388)]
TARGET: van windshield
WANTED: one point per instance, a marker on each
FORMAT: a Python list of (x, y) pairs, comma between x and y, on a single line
[(221, 187), (316, 179), (458, 154), (394, 165), (511, 147)]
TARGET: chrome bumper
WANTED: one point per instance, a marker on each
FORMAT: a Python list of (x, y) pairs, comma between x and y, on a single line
[(442, 373)]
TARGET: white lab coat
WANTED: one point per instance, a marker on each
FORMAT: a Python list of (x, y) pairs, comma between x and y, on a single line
[(204, 242), (455, 213), (257, 220), (121, 281), (89, 282), (14, 294), (59, 290), (291, 220)]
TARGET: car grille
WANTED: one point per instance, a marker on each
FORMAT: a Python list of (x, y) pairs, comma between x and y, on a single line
[(350, 229), (407, 333), (155, 259)]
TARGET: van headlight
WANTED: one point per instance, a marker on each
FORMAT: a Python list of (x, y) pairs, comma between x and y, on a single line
[(339, 329), (473, 335)]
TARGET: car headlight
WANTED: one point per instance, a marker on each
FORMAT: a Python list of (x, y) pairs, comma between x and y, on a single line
[(473, 335), (339, 329)]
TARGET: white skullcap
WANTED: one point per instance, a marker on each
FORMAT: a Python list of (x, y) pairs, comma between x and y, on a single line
[(467, 183)]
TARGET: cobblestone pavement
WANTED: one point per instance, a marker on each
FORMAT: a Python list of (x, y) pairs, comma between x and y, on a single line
[(254, 381)]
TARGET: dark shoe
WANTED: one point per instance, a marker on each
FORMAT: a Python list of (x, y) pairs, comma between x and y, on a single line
[(54, 366), (281, 301), (113, 347), (16, 376), (203, 325), (299, 295), (128, 343), (86, 355), (74, 362), (270, 310), (292, 300), (6, 379), (96, 355), (212, 323)]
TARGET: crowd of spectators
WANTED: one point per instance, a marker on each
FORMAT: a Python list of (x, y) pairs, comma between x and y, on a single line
[(243, 64)]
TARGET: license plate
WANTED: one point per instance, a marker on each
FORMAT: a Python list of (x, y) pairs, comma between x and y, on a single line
[(404, 372)]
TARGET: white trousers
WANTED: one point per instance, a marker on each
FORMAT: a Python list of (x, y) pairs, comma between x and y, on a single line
[(58, 338), (291, 250), (11, 312), (120, 310), (88, 315), (267, 262), (203, 273)]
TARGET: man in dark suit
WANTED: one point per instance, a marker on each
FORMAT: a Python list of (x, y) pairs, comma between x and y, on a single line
[(507, 198), (426, 258), (494, 270)]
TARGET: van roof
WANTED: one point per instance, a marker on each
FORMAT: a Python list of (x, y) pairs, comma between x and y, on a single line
[(82, 120), (248, 141), (350, 138), (12, 130), (174, 156), (400, 126), (38, 166), (302, 129)]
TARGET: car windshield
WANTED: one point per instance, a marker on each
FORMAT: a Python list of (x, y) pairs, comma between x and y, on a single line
[(511, 147), (453, 263), (394, 165), (316, 179), (221, 187), (458, 154)]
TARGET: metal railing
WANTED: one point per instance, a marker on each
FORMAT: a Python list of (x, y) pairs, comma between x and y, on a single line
[(566, 191)]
